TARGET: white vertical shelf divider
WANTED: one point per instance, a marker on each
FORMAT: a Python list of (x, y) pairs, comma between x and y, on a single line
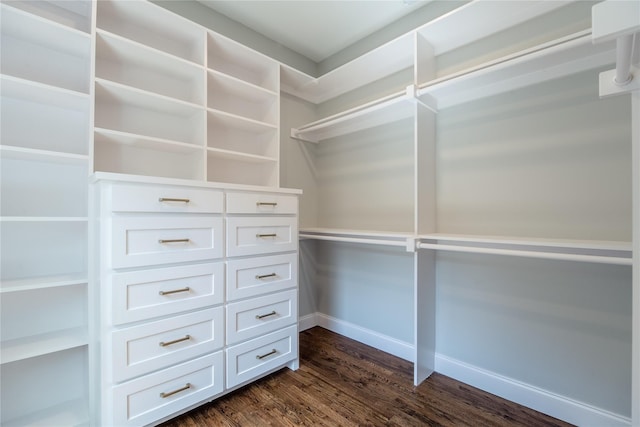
[(424, 217)]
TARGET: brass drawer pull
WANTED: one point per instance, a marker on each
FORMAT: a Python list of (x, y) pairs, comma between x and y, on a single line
[(168, 199), (173, 241), (263, 236), (175, 291), (264, 276), (262, 356), (168, 343), (274, 204), (187, 386), (262, 316)]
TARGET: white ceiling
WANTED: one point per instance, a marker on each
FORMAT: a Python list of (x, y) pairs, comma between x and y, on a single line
[(316, 29)]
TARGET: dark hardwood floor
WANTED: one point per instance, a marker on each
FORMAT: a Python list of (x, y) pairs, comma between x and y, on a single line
[(345, 383)]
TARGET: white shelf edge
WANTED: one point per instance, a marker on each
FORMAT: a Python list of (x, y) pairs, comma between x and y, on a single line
[(243, 83), (39, 345), (600, 252), (244, 119), (23, 285), (604, 245), (238, 155), (143, 179), (145, 93), (39, 86), (348, 121), (44, 219), (23, 153), (168, 144)]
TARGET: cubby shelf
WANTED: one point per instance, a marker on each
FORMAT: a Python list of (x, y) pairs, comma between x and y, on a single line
[(70, 13), (42, 344), (71, 413), (43, 282)]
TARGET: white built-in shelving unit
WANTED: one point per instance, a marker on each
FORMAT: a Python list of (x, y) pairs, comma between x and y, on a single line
[(46, 104), (178, 101)]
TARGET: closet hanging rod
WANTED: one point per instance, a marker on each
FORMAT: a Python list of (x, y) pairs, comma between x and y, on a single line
[(529, 254), (567, 42), (401, 243), (624, 53)]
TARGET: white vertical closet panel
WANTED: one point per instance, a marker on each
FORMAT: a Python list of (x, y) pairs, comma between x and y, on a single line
[(425, 218), (635, 382)]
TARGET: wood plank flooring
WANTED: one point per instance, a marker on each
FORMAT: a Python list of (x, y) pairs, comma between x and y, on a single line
[(342, 382)]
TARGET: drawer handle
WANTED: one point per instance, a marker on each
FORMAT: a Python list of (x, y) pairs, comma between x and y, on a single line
[(187, 386), (173, 241), (168, 199), (168, 343), (262, 316), (264, 236), (175, 291), (262, 356), (265, 276), (274, 204)]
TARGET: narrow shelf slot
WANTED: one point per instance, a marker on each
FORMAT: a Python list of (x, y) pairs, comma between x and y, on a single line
[(40, 117), (236, 97), (132, 64), (236, 60), (56, 384), (231, 133), (36, 49), (37, 283), (148, 24), (41, 344), (71, 13), (125, 109), (230, 167)]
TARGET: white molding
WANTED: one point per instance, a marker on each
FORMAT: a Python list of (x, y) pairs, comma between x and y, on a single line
[(375, 339), (541, 400), (307, 322)]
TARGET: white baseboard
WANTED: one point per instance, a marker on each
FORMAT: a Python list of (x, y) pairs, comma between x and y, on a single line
[(557, 406)]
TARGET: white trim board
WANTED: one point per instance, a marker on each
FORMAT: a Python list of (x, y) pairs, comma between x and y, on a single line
[(541, 400)]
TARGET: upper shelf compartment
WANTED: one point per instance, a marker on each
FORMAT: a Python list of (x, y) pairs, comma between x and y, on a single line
[(235, 60), (559, 58), (153, 26), (473, 21)]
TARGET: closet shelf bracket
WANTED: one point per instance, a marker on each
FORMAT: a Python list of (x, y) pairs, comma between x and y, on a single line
[(619, 21)]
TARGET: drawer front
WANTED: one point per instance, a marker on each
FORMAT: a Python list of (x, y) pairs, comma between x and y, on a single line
[(140, 241), (141, 295), (153, 397), (261, 203), (250, 318), (256, 276), (261, 235), (142, 349), (165, 198), (249, 360)]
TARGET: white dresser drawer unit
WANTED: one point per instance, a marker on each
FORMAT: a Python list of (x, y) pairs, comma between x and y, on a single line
[(250, 318), (151, 346), (141, 241), (161, 394), (248, 360), (144, 294), (163, 198), (261, 203), (256, 276), (260, 235)]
